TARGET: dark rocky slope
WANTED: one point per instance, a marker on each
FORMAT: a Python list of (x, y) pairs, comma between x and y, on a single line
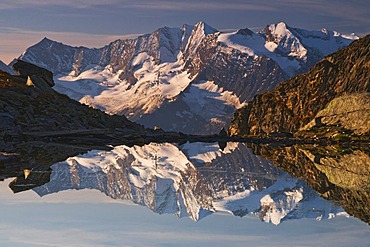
[(296, 102), (29, 107)]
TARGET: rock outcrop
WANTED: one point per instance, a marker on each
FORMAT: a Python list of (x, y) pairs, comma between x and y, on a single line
[(343, 116), (25, 69), (296, 102)]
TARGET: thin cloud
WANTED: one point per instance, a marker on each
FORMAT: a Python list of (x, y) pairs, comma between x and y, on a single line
[(356, 10), (199, 5), (83, 229), (9, 4), (143, 4)]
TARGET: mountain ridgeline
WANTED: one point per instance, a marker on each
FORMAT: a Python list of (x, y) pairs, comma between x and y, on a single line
[(189, 79), (332, 96)]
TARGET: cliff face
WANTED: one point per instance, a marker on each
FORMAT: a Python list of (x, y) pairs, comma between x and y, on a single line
[(294, 103)]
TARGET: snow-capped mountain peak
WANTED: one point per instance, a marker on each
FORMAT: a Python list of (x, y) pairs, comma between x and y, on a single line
[(200, 31), (301, 44), (204, 28), (46, 40), (281, 40), (245, 31), (281, 29), (164, 44)]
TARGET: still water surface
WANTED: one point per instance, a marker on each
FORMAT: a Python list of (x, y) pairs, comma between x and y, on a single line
[(190, 195)]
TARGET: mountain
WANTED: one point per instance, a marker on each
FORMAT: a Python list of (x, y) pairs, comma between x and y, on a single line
[(189, 79), (193, 180), (6, 68), (29, 108), (331, 99)]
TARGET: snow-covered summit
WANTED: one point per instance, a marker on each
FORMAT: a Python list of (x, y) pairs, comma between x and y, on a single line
[(204, 28), (280, 39), (245, 31), (164, 44), (200, 31), (295, 50), (303, 45)]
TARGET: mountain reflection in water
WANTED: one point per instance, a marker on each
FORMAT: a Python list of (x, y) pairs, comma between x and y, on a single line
[(196, 179)]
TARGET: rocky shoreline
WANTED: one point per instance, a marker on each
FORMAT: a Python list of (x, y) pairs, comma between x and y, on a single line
[(113, 137)]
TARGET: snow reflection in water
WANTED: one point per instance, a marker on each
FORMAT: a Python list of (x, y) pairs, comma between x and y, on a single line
[(192, 180)]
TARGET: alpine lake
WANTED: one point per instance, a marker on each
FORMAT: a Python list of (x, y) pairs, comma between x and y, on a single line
[(189, 194)]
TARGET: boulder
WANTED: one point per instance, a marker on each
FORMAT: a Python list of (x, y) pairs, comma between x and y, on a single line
[(25, 69)]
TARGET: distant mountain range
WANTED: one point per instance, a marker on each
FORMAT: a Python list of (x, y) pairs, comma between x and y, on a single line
[(189, 79)]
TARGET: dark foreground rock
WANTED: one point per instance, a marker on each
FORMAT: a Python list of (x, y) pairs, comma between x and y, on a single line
[(29, 107)]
